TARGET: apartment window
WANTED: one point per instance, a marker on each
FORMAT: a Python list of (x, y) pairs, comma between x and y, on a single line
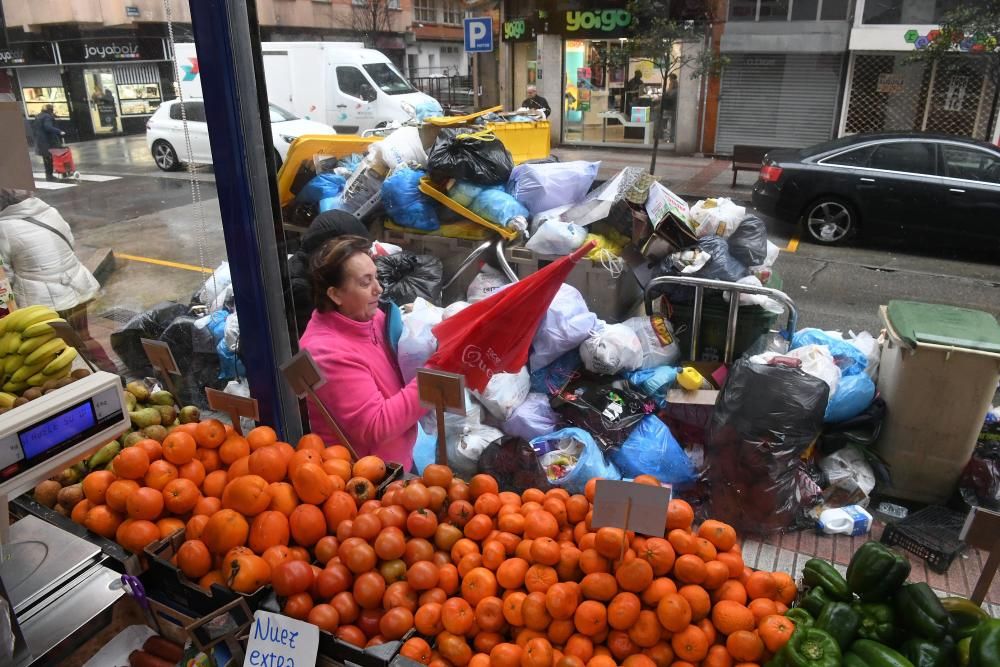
[(452, 12), (743, 10), (795, 10), (773, 10), (834, 10), (906, 11), (805, 10), (425, 10)]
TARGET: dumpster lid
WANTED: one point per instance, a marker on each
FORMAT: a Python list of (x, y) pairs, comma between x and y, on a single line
[(917, 323)]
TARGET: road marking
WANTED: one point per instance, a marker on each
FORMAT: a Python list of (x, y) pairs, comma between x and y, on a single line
[(163, 262), (793, 244), (52, 185), (92, 178)]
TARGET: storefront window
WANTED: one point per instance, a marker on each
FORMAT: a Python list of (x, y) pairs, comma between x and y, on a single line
[(37, 98), (102, 100)]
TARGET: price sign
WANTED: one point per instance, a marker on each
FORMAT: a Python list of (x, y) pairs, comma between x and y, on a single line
[(234, 406), (280, 641), (305, 377), (445, 392), (638, 507), (162, 359)]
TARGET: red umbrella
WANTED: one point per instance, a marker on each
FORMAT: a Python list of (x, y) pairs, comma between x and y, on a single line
[(494, 335)]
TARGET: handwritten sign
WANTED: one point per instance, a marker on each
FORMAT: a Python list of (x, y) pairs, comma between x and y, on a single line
[(305, 377), (233, 405), (280, 641), (444, 392), (162, 359), (638, 507)]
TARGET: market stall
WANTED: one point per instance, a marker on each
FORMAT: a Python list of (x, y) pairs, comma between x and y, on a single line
[(646, 403)]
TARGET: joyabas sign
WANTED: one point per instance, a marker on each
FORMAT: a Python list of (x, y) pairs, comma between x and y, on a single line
[(606, 20)]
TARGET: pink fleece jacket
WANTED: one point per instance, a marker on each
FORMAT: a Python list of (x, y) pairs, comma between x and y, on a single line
[(364, 390)]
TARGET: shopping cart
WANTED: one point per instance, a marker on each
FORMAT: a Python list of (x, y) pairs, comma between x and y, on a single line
[(63, 164)]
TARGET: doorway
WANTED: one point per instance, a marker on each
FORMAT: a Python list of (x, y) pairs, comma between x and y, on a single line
[(102, 98)]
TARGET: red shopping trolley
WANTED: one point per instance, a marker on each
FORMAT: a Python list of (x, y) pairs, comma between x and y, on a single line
[(62, 162)]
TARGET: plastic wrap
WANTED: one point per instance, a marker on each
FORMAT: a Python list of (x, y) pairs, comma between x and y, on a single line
[(405, 277), (765, 417), (607, 412), (514, 464), (533, 418), (556, 237), (479, 158), (552, 378), (417, 342), (748, 244), (656, 336), (570, 458), (612, 349), (651, 449), (497, 206), (505, 392), (541, 187), (850, 359), (567, 323), (405, 203)]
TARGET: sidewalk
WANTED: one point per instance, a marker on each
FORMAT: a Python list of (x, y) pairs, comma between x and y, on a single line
[(690, 177)]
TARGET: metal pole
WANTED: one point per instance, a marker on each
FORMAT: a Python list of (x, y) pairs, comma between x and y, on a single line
[(734, 312), (475, 80), (699, 302)]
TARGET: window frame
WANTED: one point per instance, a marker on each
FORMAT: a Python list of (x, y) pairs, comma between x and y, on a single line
[(756, 18), (943, 164), (451, 12), (933, 158), (424, 8), (360, 73)]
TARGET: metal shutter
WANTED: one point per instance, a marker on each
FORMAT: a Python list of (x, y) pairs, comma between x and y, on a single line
[(778, 100), (137, 73)]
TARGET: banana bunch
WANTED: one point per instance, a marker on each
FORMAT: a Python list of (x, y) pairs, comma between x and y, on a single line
[(30, 352)]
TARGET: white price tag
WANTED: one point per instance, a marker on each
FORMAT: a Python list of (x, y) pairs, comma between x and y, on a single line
[(280, 641)]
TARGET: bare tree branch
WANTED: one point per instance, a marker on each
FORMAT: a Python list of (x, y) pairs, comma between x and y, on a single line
[(370, 18)]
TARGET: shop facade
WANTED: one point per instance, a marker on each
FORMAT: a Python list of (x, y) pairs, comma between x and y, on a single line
[(887, 89), (601, 92), (784, 72), (98, 86)]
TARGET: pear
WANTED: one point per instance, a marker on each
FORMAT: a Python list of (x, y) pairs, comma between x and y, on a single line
[(70, 495), (168, 413), (139, 390), (133, 438), (157, 433), (145, 417), (161, 398), (189, 414), (69, 476), (130, 403)]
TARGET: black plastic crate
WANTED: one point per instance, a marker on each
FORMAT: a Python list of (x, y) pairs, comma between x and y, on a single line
[(393, 472), (349, 654), (931, 533)]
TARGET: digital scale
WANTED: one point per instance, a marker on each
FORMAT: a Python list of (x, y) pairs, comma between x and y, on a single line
[(55, 582)]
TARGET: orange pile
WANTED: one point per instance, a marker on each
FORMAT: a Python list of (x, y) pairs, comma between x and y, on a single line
[(485, 577)]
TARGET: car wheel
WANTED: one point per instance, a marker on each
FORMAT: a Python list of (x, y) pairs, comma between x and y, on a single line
[(165, 156), (830, 220)]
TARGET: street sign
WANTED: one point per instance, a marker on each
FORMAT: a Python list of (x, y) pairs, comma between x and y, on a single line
[(479, 34)]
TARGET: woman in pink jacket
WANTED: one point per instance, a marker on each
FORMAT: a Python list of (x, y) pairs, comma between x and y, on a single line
[(346, 335)]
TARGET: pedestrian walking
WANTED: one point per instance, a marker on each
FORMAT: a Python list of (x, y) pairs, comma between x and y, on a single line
[(47, 136), (36, 243)]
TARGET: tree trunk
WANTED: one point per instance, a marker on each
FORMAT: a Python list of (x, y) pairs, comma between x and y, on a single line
[(658, 124)]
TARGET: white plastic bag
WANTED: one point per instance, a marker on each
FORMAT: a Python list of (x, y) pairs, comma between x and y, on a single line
[(505, 392), (850, 474), (556, 237), (716, 217), (656, 335), (690, 261), (214, 287), (765, 302), (454, 309), (540, 219), (398, 148), (469, 447), (763, 271), (457, 428), (613, 349), (241, 388), (566, 324), (486, 283), (231, 333), (816, 360), (871, 347), (532, 418), (417, 343), (543, 186)]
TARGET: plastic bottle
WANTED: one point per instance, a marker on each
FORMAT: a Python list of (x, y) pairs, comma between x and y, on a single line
[(690, 379), (849, 520)]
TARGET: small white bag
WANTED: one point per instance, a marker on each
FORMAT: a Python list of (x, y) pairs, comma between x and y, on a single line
[(613, 349)]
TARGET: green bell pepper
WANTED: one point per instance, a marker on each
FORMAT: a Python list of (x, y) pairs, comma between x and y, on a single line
[(923, 653), (921, 613), (873, 654), (878, 622), (812, 647), (841, 621), (962, 650), (799, 616), (984, 651), (818, 573), (876, 572), (851, 660), (965, 615), (814, 601)]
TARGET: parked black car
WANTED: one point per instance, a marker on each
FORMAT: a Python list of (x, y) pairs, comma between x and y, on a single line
[(884, 183)]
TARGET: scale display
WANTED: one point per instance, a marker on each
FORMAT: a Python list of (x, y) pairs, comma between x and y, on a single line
[(43, 437)]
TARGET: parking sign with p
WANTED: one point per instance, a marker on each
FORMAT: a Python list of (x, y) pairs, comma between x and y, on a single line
[(479, 34)]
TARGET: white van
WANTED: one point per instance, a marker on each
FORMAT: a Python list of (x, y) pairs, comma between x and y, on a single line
[(342, 84)]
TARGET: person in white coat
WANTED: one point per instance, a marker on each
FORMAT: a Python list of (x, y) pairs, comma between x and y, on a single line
[(36, 244)]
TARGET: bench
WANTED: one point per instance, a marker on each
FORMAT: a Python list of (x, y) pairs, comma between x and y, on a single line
[(747, 158)]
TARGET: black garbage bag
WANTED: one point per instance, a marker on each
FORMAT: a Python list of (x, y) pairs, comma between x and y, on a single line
[(979, 485), (721, 266), (405, 276), (514, 464), (748, 244), (149, 324), (765, 417), (480, 158), (197, 360), (606, 410)]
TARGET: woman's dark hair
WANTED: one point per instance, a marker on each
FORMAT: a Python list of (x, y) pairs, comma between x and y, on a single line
[(326, 266)]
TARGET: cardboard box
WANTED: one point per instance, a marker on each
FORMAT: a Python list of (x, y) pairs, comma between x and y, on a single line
[(662, 201)]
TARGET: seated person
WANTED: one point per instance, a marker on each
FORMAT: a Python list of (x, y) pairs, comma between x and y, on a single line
[(347, 337), (536, 101)]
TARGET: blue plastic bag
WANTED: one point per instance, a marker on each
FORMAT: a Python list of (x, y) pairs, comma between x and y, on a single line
[(654, 382), (424, 450), (590, 461), (320, 187), (848, 358), (497, 206), (651, 449), (429, 109), (854, 394), (405, 203), (464, 192), (551, 379)]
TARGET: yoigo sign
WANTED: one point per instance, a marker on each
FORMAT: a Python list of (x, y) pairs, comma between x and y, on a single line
[(599, 22)]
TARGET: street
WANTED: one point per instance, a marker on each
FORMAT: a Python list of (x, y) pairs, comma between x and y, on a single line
[(165, 244)]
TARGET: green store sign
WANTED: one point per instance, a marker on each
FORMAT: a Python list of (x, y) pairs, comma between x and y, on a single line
[(596, 23), (604, 20)]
